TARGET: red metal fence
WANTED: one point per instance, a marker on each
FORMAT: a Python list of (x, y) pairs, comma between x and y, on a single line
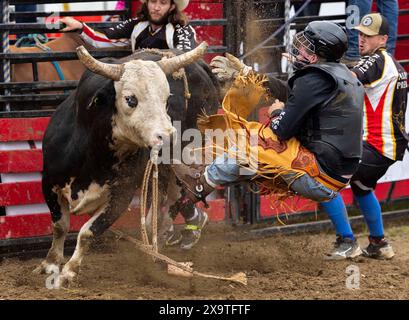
[(31, 130)]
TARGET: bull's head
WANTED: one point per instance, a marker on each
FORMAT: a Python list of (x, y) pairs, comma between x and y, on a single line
[(142, 92)]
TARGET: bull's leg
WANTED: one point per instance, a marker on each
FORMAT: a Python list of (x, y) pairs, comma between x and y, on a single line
[(122, 190), (60, 223), (71, 268), (55, 256)]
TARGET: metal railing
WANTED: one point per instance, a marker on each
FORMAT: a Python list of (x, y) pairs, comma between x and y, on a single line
[(39, 100)]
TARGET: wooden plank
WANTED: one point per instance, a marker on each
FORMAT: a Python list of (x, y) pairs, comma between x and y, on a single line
[(22, 129), (21, 161), (33, 225), (20, 193), (36, 225), (347, 196), (270, 206), (401, 189), (25, 226), (49, 97), (382, 190), (315, 226)]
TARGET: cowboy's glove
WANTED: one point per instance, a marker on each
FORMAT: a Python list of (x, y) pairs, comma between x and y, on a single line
[(227, 68)]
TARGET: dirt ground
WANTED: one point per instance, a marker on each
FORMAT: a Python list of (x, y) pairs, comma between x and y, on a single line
[(278, 267)]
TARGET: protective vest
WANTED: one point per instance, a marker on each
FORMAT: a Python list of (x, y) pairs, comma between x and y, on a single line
[(338, 122)]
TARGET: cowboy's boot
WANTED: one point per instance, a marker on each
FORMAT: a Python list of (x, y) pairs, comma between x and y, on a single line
[(193, 181)]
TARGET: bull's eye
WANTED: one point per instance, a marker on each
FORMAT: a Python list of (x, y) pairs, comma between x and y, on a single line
[(132, 101)]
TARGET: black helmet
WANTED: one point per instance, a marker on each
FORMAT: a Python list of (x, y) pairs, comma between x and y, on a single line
[(329, 39)]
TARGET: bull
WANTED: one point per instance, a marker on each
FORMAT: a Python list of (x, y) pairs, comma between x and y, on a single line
[(97, 143)]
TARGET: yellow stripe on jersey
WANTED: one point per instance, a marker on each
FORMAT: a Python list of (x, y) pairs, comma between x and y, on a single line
[(393, 138)]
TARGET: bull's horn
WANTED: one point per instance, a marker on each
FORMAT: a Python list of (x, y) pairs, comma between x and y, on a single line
[(111, 71), (175, 63)]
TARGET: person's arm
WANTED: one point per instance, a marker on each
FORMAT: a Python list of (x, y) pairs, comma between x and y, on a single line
[(117, 36), (370, 69), (184, 38), (308, 92)]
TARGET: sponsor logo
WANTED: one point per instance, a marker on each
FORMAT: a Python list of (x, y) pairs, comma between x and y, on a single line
[(366, 22)]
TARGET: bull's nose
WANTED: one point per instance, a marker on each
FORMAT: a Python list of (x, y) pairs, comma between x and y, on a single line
[(164, 136), (158, 139)]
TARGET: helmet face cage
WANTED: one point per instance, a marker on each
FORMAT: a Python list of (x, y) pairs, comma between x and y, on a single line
[(301, 41)]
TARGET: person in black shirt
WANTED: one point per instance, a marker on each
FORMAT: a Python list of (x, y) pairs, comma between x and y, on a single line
[(159, 24), (322, 109)]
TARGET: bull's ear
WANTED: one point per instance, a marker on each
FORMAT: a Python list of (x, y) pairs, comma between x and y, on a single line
[(93, 102), (103, 97)]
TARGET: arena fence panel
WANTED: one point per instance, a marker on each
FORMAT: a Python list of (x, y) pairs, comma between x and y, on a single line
[(23, 214), (209, 28)]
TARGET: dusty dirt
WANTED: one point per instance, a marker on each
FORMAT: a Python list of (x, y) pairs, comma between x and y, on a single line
[(278, 267)]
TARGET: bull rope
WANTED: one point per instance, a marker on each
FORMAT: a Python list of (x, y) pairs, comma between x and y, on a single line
[(174, 267), (240, 277), (287, 9), (5, 45), (152, 163)]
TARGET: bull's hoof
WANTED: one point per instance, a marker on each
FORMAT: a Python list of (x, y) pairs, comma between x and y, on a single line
[(64, 279)]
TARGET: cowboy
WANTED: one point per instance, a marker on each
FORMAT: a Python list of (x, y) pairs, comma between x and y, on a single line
[(321, 119)]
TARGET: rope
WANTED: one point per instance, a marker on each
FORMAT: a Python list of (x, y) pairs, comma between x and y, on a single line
[(30, 40), (152, 163), (56, 65), (5, 45), (144, 193), (155, 199), (240, 277), (38, 41), (287, 32), (180, 269)]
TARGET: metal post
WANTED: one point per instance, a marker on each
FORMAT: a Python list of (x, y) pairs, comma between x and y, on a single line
[(5, 48), (229, 30), (287, 8), (128, 8)]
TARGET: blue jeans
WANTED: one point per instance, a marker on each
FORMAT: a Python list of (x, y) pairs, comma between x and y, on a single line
[(26, 8), (387, 8), (225, 170), (390, 10)]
